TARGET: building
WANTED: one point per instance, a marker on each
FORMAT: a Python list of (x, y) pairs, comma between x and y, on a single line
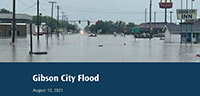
[(157, 27), (9, 16), (189, 33), (6, 30), (21, 26)]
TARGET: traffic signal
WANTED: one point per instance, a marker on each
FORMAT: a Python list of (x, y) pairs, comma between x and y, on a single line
[(88, 23), (151, 29), (79, 21)]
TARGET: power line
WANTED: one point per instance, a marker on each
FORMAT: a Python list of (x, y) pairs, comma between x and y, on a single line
[(52, 4), (23, 3), (32, 1), (28, 8), (42, 5), (104, 12), (43, 10)]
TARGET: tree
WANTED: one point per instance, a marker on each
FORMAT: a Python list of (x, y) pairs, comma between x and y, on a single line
[(108, 27), (130, 25), (5, 11), (45, 19), (48, 19), (104, 26)]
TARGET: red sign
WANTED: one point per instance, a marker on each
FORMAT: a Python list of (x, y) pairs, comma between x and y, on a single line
[(166, 5)]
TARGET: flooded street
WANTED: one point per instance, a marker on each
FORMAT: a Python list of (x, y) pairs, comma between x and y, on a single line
[(103, 48)]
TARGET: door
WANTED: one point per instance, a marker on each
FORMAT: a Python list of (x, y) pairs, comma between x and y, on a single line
[(0, 33)]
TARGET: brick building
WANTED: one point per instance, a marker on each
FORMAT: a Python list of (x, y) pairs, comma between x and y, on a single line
[(6, 25)]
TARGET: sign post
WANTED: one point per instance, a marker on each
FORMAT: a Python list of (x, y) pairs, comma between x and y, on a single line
[(187, 14), (166, 5)]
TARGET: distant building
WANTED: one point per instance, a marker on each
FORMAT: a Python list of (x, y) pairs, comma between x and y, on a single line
[(196, 22), (157, 27), (187, 33), (6, 30), (19, 17), (6, 25)]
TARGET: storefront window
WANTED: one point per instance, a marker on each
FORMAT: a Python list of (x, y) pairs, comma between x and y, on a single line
[(10, 33), (18, 33)]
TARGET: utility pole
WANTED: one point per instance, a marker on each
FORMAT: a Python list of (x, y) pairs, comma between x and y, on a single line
[(52, 3), (186, 24), (191, 24), (31, 40), (165, 16), (63, 15), (145, 18), (63, 23), (13, 23), (63, 19), (38, 25), (58, 8), (150, 25), (165, 13), (181, 23), (67, 24), (171, 16), (154, 19)]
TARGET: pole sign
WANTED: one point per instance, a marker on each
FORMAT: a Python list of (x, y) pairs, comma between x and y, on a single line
[(166, 4), (186, 14), (135, 30)]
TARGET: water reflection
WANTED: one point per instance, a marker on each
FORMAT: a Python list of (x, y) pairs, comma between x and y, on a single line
[(31, 58), (13, 53), (81, 48)]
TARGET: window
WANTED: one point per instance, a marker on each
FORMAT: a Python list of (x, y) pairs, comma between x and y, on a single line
[(18, 33), (10, 33), (194, 35), (0, 33)]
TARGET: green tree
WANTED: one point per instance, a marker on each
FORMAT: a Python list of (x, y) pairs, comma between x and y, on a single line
[(104, 26), (108, 27), (46, 19), (53, 24), (5, 11), (130, 25)]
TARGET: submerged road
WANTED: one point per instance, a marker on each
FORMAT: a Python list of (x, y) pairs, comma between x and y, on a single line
[(103, 48)]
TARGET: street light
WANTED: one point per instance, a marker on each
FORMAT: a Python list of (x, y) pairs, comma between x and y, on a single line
[(155, 19), (150, 31), (145, 18), (171, 16), (192, 4)]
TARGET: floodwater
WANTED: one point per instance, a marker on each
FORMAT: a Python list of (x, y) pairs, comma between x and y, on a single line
[(103, 48)]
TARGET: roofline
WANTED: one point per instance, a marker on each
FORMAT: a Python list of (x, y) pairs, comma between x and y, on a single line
[(185, 32), (8, 16), (11, 23)]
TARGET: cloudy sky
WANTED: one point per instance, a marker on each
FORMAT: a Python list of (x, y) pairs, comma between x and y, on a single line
[(93, 10)]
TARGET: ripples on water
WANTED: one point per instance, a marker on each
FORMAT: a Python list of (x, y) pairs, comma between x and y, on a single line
[(103, 48)]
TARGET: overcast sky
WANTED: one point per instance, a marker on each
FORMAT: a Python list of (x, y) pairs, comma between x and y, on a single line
[(93, 10)]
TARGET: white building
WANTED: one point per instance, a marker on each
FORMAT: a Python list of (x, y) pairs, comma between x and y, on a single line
[(185, 33)]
